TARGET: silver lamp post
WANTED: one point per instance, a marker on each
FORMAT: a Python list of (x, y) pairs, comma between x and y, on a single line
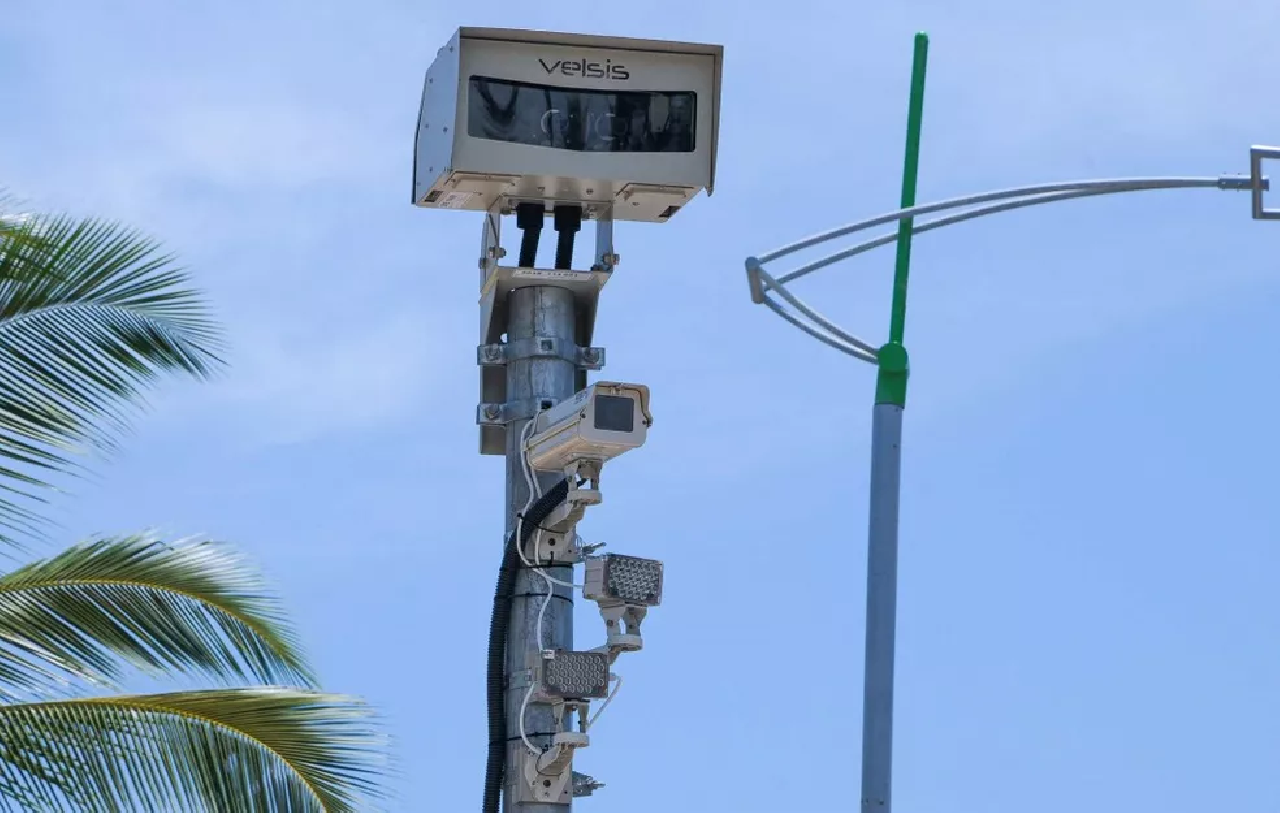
[(892, 365)]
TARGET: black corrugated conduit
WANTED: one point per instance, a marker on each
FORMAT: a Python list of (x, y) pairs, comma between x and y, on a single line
[(499, 623)]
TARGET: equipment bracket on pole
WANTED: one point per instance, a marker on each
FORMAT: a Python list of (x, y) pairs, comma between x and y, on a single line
[(497, 281)]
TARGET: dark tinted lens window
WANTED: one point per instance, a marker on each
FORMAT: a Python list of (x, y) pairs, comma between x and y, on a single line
[(582, 120), (615, 413)]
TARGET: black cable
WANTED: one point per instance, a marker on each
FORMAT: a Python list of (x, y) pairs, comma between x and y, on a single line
[(499, 625), (568, 220), (529, 218)]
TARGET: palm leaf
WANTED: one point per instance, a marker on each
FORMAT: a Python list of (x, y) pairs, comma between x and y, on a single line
[(261, 750), (12, 219), (191, 607), (91, 314)]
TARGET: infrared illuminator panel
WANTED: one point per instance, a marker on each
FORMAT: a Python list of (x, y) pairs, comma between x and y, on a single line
[(564, 674)]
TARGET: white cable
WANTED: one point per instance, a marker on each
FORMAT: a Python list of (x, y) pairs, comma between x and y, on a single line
[(524, 704), (535, 492), (546, 602), (617, 684)]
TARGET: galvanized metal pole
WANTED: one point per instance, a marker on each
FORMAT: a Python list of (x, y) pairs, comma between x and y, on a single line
[(882, 608), (886, 471), (535, 314)]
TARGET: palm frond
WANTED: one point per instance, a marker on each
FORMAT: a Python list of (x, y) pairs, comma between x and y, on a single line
[(91, 315), (192, 607), (12, 218), (263, 750)]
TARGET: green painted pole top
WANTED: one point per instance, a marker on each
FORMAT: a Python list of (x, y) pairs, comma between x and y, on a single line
[(894, 364)]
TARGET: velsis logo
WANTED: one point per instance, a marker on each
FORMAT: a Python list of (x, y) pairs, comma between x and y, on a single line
[(587, 68)]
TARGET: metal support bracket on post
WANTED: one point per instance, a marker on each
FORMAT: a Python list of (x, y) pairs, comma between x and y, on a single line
[(497, 281), (495, 355), (584, 785), (547, 775), (552, 781)]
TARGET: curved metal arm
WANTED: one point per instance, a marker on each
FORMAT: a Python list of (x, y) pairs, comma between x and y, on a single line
[(930, 225), (1110, 185), (819, 319), (828, 333), (856, 352)]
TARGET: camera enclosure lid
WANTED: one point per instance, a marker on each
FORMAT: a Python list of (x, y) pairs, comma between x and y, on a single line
[(625, 127)]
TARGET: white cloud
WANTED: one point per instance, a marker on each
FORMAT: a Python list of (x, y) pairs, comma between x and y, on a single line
[(290, 388), (238, 169), (260, 147), (264, 141)]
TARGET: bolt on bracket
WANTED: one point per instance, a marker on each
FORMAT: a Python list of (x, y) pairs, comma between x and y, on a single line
[(584, 785), (491, 355)]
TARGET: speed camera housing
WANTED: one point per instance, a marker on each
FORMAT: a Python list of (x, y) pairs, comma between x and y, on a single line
[(618, 125)]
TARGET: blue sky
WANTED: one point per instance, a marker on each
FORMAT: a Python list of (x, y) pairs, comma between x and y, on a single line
[(1089, 539)]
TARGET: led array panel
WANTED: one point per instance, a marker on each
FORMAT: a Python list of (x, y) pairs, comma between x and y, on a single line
[(575, 675), (624, 579)]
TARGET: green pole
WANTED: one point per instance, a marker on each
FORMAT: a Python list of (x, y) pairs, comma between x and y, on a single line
[(886, 482), (891, 381)]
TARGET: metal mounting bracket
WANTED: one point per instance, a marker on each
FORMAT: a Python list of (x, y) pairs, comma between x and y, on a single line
[(497, 281), (549, 787), (548, 776), (584, 785), (553, 548)]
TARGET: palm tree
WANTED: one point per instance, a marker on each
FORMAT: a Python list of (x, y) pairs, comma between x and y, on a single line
[(91, 314)]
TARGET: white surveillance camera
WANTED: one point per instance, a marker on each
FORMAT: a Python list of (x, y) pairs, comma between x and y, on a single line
[(596, 425)]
